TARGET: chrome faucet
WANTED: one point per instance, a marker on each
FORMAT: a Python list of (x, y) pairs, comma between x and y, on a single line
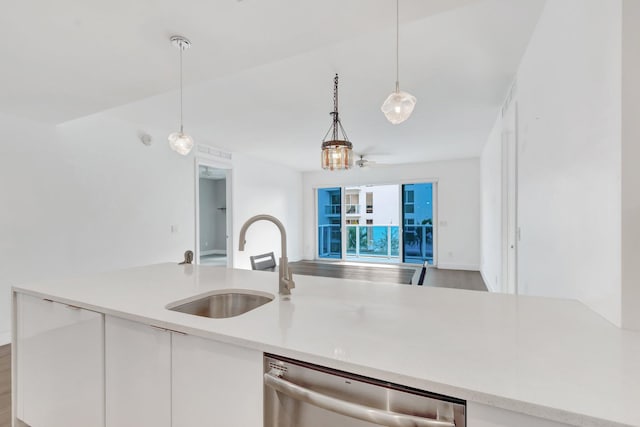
[(286, 282)]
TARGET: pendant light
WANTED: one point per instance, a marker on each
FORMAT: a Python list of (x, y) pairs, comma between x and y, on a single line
[(180, 142), (399, 105), (336, 153)]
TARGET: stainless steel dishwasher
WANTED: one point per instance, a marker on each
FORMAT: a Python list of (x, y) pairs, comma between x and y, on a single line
[(299, 394)]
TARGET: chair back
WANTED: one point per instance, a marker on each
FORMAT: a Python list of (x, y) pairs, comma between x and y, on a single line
[(419, 280), (263, 262)]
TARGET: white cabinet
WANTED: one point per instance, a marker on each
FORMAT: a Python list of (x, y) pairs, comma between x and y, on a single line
[(60, 364), (215, 384), (137, 374), (487, 416)]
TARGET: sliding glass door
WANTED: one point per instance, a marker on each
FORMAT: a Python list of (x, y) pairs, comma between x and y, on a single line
[(382, 223), (417, 222), (330, 223)]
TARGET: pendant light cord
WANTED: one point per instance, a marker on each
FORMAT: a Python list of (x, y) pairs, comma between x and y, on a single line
[(336, 125), (181, 50), (336, 119), (397, 45)]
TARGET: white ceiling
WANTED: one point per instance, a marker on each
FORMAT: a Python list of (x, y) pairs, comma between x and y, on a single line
[(259, 75)]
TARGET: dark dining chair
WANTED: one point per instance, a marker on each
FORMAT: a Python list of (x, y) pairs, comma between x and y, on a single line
[(418, 277), (265, 262)]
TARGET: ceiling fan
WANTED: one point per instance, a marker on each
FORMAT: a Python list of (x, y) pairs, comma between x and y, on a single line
[(364, 163)]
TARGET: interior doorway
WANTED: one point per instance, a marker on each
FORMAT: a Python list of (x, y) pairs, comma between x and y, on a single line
[(213, 216)]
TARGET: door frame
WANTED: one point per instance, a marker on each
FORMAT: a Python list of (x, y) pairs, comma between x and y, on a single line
[(510, 223), (399, 183), (315, 224), (228, 167)]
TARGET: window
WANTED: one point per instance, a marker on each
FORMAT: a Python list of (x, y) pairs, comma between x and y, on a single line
[(369, 222), (369, 203), (352, 201), (409, 196)]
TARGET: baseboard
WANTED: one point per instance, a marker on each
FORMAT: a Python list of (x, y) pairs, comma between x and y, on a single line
[(5, 337), (466, 267), (213, 252), (487, 283)]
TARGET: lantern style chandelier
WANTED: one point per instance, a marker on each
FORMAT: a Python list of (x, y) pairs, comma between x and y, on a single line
[(180, 142), (399, 105), (337, 152)]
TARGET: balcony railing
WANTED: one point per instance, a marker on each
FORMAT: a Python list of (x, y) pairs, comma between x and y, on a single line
[(382, 241), (353, 209), (418, 243), (332, 209), (329, 243), (373, 240)]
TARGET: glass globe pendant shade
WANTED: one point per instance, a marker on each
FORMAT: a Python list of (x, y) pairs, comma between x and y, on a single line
[(337, 155), (398, 106), (181, 143)]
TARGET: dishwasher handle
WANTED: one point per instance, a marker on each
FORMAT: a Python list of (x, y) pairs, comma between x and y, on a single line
[(354, 410)]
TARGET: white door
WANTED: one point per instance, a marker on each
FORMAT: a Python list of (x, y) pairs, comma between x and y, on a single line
[(137, 374), (215, 384), (60, 352)]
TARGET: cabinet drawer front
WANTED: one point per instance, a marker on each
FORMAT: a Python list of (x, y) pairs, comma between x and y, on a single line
[(60, 364), (215, 384), (137, 374)]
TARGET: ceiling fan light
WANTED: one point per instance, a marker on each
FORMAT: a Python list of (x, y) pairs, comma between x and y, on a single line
[(398, 106), (181, 143)]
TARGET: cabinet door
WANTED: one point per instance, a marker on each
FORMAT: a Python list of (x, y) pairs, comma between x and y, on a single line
[(487, 416), (215, 384), (137, 374), (60, 362)]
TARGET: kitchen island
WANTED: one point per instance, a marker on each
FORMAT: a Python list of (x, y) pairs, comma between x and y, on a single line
[(554, 361)]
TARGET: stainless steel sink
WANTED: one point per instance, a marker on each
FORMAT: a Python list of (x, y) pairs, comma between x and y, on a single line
[(223, 304)]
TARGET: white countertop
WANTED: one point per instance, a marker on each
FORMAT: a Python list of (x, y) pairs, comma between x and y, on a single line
[(545, 357)]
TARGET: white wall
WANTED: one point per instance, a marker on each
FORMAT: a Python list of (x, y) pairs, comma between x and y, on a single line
[(33, 179), (630, 169), (87, 196), (491, 212), (458, 204), (125, 196), (84, 197), (569, 113), (260, 187)]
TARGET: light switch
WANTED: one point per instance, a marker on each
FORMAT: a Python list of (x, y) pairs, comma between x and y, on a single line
[(174, 228)]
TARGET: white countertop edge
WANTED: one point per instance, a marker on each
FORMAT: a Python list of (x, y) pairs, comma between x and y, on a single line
[(527, 408)]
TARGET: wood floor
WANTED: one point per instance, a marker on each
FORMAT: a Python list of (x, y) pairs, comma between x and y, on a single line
[(5, 386), (457, 279), (389, 274)]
